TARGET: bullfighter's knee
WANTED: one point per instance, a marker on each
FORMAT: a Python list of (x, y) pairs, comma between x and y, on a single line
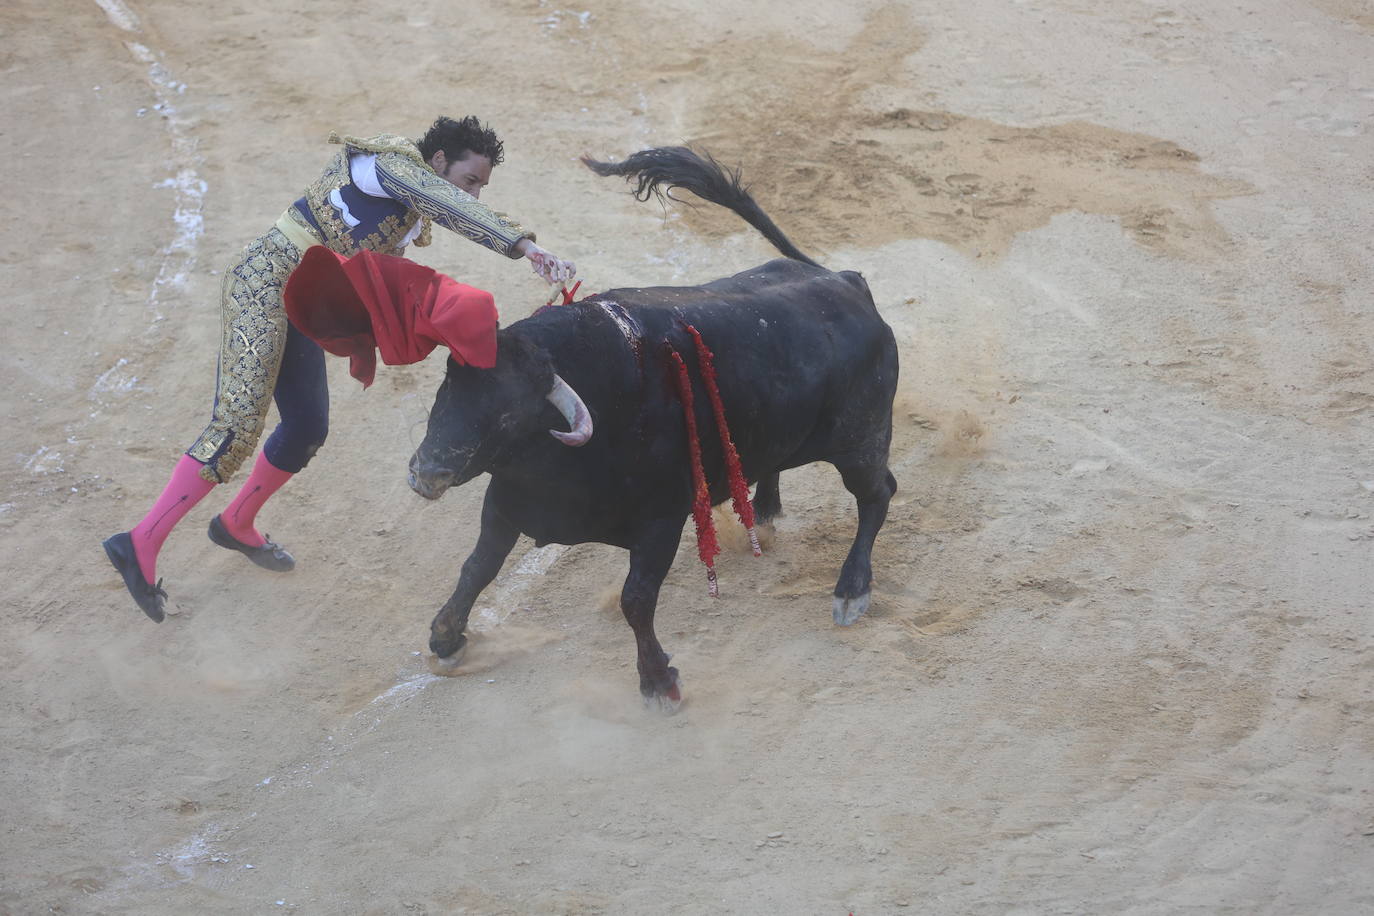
[(312, 446), (291, 446)]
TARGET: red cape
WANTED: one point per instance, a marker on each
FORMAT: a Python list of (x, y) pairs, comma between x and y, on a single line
[(373, 302)]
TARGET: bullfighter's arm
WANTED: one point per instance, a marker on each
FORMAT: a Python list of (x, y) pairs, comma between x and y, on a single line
[(451, 207)]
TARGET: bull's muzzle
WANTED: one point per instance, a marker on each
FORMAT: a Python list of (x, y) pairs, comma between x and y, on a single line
[(429, 480)]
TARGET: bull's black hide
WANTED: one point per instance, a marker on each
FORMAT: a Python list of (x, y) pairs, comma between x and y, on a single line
[(807, 370)]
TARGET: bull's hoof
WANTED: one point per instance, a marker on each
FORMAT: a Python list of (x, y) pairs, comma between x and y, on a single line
[(665, 699), (848, 610), (447, 665), (446, 645), (669, 701)]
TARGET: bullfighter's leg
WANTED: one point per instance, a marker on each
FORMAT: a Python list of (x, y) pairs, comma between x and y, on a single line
[(494, 544), (302, 396), (873, 488), (767, 500), (253, 331), (650, 559)]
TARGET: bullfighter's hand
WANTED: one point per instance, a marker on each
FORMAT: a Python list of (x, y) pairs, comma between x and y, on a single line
[(548, 266)]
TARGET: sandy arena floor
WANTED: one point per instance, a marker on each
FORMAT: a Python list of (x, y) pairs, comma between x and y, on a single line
[(1119, 658)]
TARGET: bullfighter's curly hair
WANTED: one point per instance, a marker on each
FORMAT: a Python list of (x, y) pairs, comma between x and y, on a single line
[(458, 138)]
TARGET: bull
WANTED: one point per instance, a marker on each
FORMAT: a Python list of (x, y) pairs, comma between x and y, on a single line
[(806, 369)]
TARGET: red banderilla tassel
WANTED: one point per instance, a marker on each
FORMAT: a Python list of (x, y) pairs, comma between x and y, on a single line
[(739, 488), (707, 548)]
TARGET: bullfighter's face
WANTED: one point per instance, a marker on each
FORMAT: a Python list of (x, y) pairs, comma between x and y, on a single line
[(471, 173)]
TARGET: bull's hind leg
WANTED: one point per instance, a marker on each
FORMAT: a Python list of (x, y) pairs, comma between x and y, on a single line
[(494, 544), (650, 559), (767, 500), (873, 488)]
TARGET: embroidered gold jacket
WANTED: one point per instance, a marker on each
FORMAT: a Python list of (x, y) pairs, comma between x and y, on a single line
[(336, 213)]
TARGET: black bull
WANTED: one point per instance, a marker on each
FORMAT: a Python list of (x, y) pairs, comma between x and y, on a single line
[(806, 370)]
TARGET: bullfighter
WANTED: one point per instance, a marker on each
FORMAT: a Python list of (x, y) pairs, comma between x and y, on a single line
[(378, 194)]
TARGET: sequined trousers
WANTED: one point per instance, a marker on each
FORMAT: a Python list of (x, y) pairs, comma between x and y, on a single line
[(253, 338)]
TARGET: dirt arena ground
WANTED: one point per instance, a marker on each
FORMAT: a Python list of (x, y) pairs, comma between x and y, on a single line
[(1119, 658)]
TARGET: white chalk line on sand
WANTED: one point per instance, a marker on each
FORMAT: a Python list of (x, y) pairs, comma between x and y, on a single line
[(178, 255), (535, 563), (188, 189)]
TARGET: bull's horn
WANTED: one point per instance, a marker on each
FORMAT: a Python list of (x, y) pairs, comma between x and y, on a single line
[(573, 410)]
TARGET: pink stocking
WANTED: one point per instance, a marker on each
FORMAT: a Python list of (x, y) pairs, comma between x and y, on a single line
[(239, 515), (184, 490)]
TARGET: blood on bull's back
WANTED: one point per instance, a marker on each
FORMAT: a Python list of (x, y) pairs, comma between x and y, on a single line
[(796, 348)]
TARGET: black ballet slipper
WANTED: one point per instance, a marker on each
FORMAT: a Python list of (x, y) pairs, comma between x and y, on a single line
[(268, 556), (120, 549)]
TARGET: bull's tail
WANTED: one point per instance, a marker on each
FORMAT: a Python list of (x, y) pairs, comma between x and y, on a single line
[(680, 167)]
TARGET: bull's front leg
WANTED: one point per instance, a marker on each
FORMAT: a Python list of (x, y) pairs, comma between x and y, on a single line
[(650, 559), (494, 544)]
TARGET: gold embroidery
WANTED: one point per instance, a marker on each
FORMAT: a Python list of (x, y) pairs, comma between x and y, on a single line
[(392, 143), (406, 176), (252, 339), (334, 229), (337, 234), (387, 238), (449, 206), (382, 143)]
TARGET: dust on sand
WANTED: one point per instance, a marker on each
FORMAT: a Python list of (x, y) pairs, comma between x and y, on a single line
[(1119, 654)]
